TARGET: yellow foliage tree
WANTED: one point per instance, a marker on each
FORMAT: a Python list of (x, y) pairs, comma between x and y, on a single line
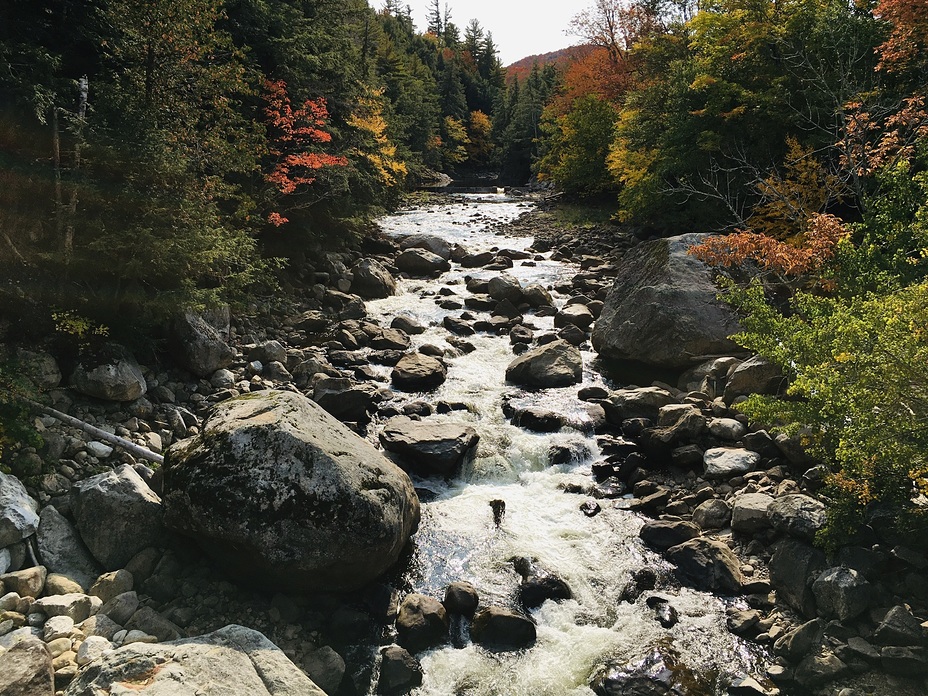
[(375, 146), (480, 132), (790, 200), (454, 141)]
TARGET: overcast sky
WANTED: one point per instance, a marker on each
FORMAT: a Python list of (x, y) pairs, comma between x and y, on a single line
[(520, 27)]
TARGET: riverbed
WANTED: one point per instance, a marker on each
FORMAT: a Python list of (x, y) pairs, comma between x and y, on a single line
[(459, 540)]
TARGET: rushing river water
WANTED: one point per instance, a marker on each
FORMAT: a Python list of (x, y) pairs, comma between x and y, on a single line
[(458, 540)]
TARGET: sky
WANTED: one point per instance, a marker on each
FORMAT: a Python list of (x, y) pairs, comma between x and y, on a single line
[(520, 28)]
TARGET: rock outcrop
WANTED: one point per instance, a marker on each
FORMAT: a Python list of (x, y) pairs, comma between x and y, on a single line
[(662, 309), (233, 661)]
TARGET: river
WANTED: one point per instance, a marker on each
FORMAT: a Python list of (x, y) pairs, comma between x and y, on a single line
[(458, 539)]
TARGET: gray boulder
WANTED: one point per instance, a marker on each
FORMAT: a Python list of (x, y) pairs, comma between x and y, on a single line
[(233, 661), (662, 534), (198, 345), (117, 515), (754, 376), (899, 627), (345, 399), (663, 308), (62, 551), (429, 447), (749, 512), (537, 296), (798, 515), (712, 514), (724, 462), (707, 565), (325, 667), (371, 280), (842, 593), (555, 364), (40, 367), (709, 377), (643, 402), (505, 287), (116, 377), (658, 673), (429, 242), (19, 514), (276, 489), (420, 262), (417, 372), (902, 661), (574, 315), (400, 672), (26, 670)]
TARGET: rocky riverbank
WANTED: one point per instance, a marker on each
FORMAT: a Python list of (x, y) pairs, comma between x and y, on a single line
[(103, 555)]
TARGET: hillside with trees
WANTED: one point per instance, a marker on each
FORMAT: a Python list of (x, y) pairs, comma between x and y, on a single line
[(799, 131)]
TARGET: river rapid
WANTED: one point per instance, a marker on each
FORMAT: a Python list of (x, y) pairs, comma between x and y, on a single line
[(458, 538)]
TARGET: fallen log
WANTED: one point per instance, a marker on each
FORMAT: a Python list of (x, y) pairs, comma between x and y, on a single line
[(127, 445)]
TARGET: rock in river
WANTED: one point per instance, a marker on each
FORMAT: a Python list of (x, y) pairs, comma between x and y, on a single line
[(417, 372), (555, 364), (420, 262), (277, 490), (429, 447), (371, 280)]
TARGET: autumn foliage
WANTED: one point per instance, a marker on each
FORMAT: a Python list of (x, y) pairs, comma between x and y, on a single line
[(815, 248), (295, 135)]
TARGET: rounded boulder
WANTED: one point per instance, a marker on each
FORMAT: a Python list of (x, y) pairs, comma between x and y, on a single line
[(281, 493)]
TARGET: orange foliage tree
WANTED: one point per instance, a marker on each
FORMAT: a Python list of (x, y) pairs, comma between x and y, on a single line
[(783, 260), (294, 135)]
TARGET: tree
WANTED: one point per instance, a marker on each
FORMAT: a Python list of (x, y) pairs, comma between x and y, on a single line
[(296, 159), (578, 144)]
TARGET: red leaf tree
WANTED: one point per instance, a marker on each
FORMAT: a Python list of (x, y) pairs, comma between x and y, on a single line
[(294, 136)]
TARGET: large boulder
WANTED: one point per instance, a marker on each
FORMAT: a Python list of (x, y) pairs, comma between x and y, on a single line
[(419, 262), (505, 287), (658, 673), (753, 376), (113, 376), (345, 399), (233, 661), (417, 372), (197, 345), (842, 593), (400, 672), (707, 564), (19, 513), (555, 364), (371, 280), (278, 491), (662, 309), (117, 515), (429, 242), (429, 447), (40, 367), (749, 512), (725, 462), (798, 515)]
